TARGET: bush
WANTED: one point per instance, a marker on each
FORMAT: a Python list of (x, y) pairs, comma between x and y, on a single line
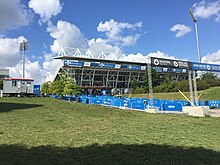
[(183, 85), (139, 91), (202, 85)]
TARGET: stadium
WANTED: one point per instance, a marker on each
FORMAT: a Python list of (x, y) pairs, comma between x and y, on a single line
[(106, 71)]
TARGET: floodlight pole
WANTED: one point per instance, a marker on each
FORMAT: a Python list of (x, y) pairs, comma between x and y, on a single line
[(197, 42), (23, 47), (23, 75), (197, 35)]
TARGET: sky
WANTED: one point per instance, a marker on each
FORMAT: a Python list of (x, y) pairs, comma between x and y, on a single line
[(136, 28)]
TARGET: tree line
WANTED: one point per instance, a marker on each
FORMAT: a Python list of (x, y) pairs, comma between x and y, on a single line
[(165, 83)]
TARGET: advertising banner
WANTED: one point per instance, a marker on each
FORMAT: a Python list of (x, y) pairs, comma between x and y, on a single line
[(168, 63), (73, 63), (205, 67)]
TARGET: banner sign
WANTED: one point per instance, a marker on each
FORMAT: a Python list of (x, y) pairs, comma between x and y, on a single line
[(73, 63), (105, 65), (168, 63), (172, 70), (205, 67), (134, 67)]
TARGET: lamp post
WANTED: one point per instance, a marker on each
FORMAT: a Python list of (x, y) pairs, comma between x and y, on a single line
[(23, 47), (197, 36)]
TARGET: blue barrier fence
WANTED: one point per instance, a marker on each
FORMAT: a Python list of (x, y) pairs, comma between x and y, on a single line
[(213, 103), (137, 103)]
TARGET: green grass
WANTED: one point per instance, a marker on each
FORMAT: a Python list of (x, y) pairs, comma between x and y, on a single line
[(209, 94), (50, 131)]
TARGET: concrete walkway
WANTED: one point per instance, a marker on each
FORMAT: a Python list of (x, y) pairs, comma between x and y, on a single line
[(214, 112)]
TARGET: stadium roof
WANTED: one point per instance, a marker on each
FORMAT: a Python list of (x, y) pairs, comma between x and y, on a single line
[(99, 60)]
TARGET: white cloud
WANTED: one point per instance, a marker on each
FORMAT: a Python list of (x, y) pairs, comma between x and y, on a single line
[(32, 70), (12, 15), (66, 35), (206, 9), (9, 51), (115, 32), (96, 46), (180, 30), (145, 58), (45, 8), (212, 58), (51, 67)]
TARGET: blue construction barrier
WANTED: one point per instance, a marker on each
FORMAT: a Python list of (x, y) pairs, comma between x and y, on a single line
[(213, 103), (84, 100), (98, 101), (172, 106), (182, 102), (138, 106), (136, 103), (124, 102), (201, 103), (92, 100), (156, 104), (165, 101), (107, 102), (116, 102)]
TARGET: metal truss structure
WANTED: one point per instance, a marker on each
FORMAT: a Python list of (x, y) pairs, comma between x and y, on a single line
[(90, 77), (100, 78), (86, 53)]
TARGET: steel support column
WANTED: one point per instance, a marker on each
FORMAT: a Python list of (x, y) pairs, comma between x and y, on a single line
[(93, 76), (107, 79), (190, 86), (150, 83), (81, 77), (195, 88)]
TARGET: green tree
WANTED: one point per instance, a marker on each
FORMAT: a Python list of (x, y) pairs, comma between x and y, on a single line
[(156, 78), (134, 84), (1, 84), (46, 88), (70, 88), (57, 87), (208, 76), (145, 83), (210, 79)]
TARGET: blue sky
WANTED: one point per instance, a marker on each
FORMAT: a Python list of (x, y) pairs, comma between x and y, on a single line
[(130, 27)]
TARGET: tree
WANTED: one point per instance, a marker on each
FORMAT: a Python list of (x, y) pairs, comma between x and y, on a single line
[(210, 79), (1, 84), (145, 83), (46, 88), (70, 88), (57, 87), (134, 84), (156, 78), (208, 76)]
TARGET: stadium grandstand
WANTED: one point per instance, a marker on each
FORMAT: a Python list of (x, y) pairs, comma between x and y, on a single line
[(105, 70)]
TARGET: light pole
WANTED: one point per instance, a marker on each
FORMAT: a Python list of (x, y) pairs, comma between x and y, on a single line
[(197, 36), (23, 47)]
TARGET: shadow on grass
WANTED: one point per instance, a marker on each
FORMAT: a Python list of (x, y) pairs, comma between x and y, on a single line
[(7, 107), (108, 154)]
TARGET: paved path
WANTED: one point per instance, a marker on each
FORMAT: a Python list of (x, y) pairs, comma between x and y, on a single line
[(214, 112)]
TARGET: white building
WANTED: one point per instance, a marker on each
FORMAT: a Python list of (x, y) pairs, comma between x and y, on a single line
[(18, 86)]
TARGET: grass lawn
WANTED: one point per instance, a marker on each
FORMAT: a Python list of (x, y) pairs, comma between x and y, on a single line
[(50, 131), (209, 94)]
